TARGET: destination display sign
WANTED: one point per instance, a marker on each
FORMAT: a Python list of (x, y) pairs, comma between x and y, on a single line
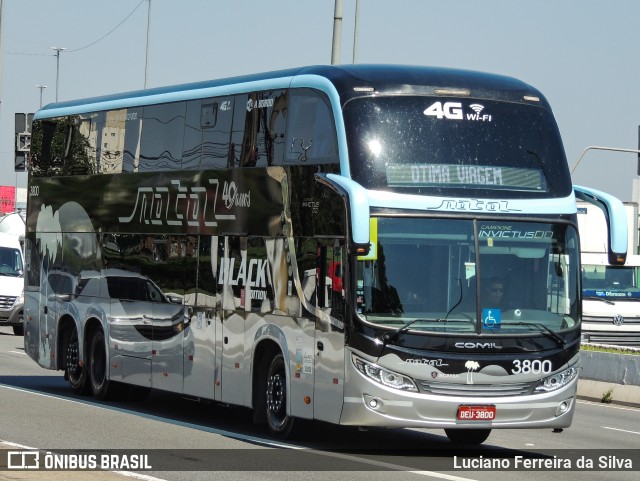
[(465, 176), (611, 293)]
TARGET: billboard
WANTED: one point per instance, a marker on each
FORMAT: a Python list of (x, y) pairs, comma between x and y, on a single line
[(7, 199)]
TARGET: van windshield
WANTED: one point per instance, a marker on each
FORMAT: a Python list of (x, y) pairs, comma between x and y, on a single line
[(10, 262), (611, 282)]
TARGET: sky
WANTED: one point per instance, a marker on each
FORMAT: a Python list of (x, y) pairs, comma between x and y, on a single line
[(581, 54)]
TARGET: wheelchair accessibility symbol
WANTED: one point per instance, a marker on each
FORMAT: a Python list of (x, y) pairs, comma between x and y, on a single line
[(492, 318)]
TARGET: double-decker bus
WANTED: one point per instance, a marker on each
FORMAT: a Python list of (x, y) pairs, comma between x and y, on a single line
[(316, 243)]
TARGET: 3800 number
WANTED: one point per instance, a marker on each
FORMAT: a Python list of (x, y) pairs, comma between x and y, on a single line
[(528, 366)]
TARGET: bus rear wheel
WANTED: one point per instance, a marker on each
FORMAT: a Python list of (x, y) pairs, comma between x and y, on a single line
[(279, 422), (74, 373), (467, 436)]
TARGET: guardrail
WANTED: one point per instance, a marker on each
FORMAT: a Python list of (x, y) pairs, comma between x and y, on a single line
[(610, 377)]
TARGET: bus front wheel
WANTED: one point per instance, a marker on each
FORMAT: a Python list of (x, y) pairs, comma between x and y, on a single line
[(467, 436), (278, 421), (100, 385)]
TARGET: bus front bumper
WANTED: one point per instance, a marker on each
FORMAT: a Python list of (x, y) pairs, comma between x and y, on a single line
[(367, 403)]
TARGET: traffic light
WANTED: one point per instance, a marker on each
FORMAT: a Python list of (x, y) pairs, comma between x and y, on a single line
[(23, 140)]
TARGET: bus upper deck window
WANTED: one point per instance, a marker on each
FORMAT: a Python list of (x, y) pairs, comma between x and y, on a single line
[(311, 133)]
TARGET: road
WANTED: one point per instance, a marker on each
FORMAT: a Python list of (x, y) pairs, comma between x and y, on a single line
[(188, 440)]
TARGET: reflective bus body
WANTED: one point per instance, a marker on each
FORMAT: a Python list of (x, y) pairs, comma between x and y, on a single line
[(314, 243)]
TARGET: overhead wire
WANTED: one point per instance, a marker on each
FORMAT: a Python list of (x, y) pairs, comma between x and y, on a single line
[(86, 46), (109, 32)]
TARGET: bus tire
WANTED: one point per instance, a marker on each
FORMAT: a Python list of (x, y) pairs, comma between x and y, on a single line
[(467, 436), (75, 372), (279, 423), (100, 385)]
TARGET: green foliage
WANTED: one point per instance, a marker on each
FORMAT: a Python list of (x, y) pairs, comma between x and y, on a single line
[(607, 397), (611, 349)]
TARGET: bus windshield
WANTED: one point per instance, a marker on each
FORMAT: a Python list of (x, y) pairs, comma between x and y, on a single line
[(452, 146), (615, 283), (466, 276)]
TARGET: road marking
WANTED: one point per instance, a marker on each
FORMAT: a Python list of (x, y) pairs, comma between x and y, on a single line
[(606, 405), (240, 437), (18, 352), (618, 429), (395, 467)]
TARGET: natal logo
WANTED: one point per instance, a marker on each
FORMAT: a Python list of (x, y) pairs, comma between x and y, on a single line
[(176, 204)]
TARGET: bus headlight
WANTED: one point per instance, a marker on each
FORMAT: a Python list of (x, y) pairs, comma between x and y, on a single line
[(384, 376), (558, 380)]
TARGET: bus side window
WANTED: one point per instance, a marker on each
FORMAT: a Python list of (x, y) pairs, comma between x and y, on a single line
[(90, 130), (329, 278), (64, 147), (258, 124), (192, 144), (111, 139), (234, 152), (209, 123), (162, 137), (311, 133), (32, 261), (131, 145)]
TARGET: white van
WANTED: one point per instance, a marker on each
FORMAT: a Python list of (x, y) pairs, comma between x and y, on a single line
[(11, 283), (611, 300)]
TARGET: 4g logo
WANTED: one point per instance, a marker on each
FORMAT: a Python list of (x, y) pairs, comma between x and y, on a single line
[(450, 110), (453, 111)]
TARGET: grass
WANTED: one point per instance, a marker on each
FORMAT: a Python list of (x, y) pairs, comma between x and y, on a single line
[(611, 349), (607, 397)]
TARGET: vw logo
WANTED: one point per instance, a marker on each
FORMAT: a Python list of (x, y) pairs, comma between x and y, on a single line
[(618, 320)]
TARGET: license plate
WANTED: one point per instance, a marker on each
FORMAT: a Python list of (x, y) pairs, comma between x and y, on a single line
[(476, 413)]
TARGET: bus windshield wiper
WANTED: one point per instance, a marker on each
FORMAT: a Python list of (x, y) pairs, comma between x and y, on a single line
[(598, 298), (390, 336), (540, 163), (456, 304), (542, 328)]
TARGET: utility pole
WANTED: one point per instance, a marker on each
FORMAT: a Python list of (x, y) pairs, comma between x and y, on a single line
[(337, 32), (58, 50), (1, 48), (41, 87), (146, 55), (355, 33)]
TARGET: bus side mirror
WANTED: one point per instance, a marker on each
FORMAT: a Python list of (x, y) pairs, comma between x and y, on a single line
[(616, 218), (357, 205)]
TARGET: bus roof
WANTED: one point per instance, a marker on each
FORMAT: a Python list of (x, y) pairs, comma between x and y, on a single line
[(349, 81)]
